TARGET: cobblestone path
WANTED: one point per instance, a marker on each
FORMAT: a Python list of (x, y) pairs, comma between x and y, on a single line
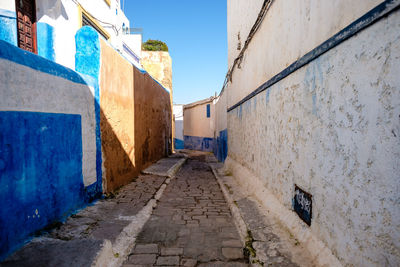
[(191, 225)]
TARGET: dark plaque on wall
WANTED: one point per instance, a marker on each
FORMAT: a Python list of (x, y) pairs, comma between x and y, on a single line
[(302, 204)]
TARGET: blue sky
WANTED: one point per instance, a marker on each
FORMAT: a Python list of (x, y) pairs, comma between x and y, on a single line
[(195, 32)]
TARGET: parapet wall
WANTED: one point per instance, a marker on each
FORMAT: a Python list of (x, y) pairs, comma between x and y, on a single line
[(47, 144)]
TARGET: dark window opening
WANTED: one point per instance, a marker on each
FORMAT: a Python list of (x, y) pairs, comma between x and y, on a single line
[(87, 22), (208, 111)]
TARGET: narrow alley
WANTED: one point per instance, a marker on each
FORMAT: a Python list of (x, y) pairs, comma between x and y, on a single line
[(191, 224), (139, 133), (174, 214)]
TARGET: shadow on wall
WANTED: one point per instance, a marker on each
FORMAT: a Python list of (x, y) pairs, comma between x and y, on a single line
[(136, 112)]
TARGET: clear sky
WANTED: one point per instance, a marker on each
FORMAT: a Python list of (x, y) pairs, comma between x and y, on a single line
[(195, 32)]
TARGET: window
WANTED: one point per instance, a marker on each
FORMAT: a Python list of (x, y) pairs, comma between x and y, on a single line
[(208, 111), (88, 20)]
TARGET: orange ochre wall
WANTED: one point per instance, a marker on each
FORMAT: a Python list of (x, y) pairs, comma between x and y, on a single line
[(117, 119), (135, 119), (153, 116)]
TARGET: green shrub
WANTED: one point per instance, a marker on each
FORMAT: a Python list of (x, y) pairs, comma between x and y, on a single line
[(154, 45)]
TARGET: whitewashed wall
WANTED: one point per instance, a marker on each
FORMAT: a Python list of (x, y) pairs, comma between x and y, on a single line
[(290, 29), (332, 127)]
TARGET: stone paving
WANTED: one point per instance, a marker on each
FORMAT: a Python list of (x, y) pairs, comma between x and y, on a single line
[(191, 225)]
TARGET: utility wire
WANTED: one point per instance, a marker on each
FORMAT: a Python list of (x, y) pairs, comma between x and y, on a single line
[(238, 60), (115, 29)]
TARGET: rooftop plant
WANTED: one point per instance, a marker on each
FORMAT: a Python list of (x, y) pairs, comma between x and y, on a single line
[(154, 45)]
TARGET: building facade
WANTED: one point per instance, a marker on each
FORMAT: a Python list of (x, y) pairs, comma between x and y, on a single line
[(48, 27), (311, 106), (198, 125)]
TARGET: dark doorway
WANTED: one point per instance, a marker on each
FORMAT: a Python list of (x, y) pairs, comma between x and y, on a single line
[(26, 24)]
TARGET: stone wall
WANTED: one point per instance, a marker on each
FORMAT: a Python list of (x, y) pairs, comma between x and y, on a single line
[(159, 65)]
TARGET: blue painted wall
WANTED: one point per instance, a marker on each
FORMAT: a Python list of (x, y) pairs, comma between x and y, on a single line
[(87, 61), (221, 146), (87, 57), (41, 160), (40, 172), (45, 40), (179, 144), (8, 27), (199, 143)]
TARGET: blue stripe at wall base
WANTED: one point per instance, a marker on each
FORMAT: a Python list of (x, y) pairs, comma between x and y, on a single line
[(221, 146), (199, 143), (179, 144), (41, 177)]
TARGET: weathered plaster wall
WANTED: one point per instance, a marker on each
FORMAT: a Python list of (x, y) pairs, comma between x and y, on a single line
[(47, 144), (332, 127), (153, 117), (287, 22), (117, 118), (159, 65)]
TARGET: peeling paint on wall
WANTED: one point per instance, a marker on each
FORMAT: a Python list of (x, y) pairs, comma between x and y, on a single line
[(47, 144), (41, 172)]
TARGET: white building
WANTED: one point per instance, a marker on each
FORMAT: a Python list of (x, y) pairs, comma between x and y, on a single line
[(48, 27), (312, 104)]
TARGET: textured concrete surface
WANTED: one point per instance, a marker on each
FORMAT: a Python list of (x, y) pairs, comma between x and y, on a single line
[(266, 241), (159, 65), (331, 128), (296, 28), (101, 234), (192, 224)]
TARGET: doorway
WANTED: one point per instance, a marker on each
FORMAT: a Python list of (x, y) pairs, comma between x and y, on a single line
[(26, 24)]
